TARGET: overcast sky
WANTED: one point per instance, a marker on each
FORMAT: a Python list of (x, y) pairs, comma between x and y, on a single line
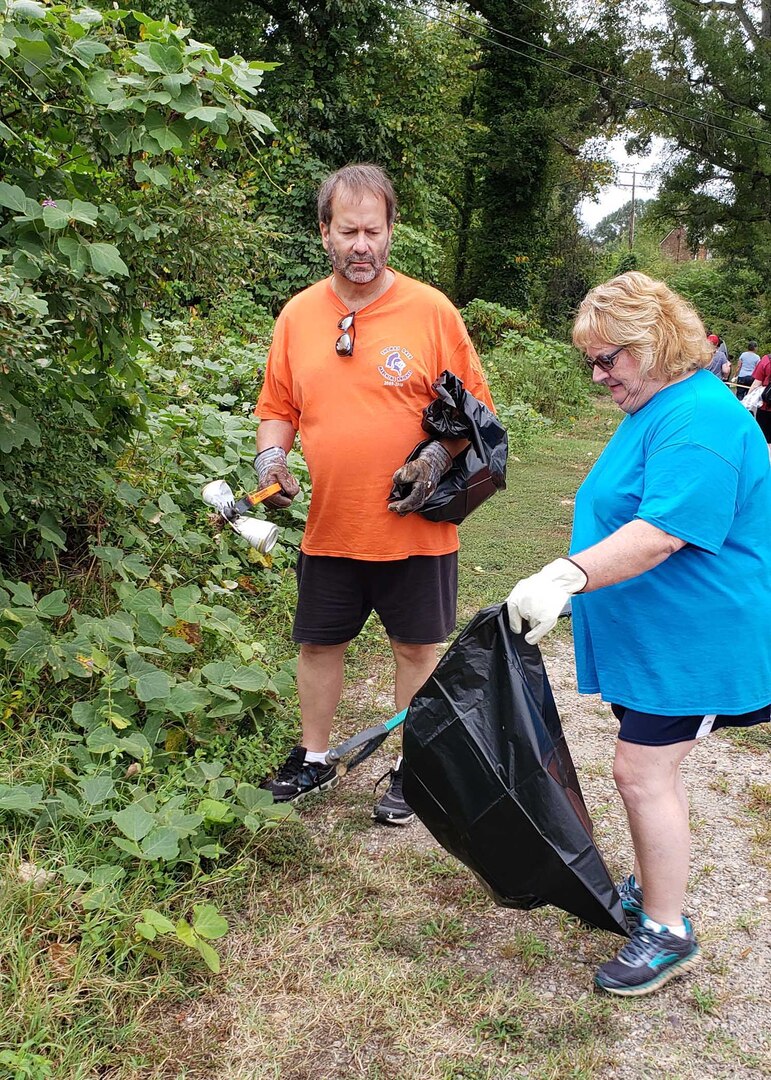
[(615, 195)]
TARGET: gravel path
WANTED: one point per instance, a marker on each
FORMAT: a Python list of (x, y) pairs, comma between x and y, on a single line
[(712, 1022)]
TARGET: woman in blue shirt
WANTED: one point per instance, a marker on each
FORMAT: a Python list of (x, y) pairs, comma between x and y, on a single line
[(671, 549)]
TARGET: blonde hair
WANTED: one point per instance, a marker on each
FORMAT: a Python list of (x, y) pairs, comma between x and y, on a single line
[(657, 326)]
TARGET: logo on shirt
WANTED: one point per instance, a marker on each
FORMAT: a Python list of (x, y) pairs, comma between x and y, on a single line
[(396, 367)]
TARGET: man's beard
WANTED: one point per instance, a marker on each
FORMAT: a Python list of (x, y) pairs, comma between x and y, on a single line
[(359, 275)]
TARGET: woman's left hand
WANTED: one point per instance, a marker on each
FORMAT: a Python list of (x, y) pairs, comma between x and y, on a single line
[(540, 598)]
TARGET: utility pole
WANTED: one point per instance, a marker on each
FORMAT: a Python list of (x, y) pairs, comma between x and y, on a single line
[(634, 185), (631, 216)]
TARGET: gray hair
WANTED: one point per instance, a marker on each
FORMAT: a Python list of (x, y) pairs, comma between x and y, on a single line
[(359, 181)]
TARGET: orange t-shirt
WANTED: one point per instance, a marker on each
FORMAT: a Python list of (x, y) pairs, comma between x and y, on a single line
[(359, 416)]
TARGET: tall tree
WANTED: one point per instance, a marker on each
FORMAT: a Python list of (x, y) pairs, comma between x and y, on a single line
[(706, 87)]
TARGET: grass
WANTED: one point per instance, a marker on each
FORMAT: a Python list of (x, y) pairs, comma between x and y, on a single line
[(759, 808), (360, 953)]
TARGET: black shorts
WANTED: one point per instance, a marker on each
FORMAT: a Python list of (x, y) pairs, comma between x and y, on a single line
[(650, 729), (416, 598)]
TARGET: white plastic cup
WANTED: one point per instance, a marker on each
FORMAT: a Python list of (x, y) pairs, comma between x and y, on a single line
[(219, 495), (261, 534)]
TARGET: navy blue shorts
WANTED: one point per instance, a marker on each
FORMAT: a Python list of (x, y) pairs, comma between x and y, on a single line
[(650, 729), (416, 598)]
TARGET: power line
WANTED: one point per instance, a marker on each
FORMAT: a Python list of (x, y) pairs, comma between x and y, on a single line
[(756, 140), (588, 67)]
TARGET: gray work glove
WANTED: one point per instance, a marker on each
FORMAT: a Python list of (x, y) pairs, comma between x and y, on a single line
[(424, 473), (270, 466)]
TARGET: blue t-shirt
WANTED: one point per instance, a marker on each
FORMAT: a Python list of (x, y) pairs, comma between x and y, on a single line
[(747, 363), (693, 462)]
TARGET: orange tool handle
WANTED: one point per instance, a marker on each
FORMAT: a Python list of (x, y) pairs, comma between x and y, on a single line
[(255, 497)]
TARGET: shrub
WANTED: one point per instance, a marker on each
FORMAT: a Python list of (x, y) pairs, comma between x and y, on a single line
[(544, 373), (487, 323)]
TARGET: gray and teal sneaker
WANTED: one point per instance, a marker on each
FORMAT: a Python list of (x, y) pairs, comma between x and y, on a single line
[(648, 960), (631, 898), (391, 808)]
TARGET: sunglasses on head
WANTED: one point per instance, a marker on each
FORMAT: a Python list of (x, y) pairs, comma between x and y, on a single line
[(604, 361), (344, 344)]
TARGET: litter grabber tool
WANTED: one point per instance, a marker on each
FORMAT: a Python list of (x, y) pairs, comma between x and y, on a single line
[(354, 750), (259, 533)]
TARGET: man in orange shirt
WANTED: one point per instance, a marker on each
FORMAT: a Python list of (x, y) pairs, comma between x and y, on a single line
[(350, 367)]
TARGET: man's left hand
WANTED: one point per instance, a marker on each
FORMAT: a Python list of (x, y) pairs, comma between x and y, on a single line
[(424, 473)]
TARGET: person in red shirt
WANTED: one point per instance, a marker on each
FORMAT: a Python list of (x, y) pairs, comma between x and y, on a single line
[(761, 376), (351, 368)]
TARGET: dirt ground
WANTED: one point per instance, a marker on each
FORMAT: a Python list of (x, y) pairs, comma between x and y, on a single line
[(714, 1021), (376, 956)]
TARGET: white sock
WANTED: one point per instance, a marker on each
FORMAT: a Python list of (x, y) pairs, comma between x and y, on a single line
[(679, 931), (399, 761), (313, 757)]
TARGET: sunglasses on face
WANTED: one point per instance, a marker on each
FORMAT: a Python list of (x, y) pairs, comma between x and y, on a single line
[(344, 344), (604, 361)]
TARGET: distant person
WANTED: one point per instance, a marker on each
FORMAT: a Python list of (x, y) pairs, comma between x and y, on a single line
[(748, 361), (719, 365), (761, 376), (671, 551)]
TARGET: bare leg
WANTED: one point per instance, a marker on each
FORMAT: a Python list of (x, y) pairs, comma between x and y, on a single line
[(320, 685), (648, 779), (414, 664)]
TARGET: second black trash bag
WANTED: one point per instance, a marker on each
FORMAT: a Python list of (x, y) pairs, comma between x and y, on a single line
[(489, 773), (479, 470)]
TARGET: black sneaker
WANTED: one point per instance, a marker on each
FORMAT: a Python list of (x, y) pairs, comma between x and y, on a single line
[(294, 780), (391, 809), (648, 960), (631, 898)]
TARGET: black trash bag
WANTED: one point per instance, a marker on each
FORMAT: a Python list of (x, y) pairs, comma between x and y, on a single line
[(488, 771), (479, 470)]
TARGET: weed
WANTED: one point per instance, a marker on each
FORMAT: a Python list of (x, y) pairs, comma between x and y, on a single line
[(757, 738), (526, 947), (446, 932), (748, 921), (705, 1001)]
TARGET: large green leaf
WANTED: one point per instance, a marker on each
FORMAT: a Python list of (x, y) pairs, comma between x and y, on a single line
[(96, 789), (53, 604), (153, 685), (55, 218), (84, 211), (134, 822), (158, 921), (22, 797), (186, 600), (250, 677), (161, 843), (106, 260), (219, 672), (209, 955), (217, 812), (208, 922), (207, 114), (154, 57), (86, 50), (18, 428)]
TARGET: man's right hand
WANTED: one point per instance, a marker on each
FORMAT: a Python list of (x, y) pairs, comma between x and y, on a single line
[(270, 466)]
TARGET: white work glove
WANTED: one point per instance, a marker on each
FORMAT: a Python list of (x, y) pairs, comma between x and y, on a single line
[(539, 599), (270, 466)]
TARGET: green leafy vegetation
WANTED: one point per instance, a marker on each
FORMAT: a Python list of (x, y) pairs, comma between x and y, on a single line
[(157, 208)]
